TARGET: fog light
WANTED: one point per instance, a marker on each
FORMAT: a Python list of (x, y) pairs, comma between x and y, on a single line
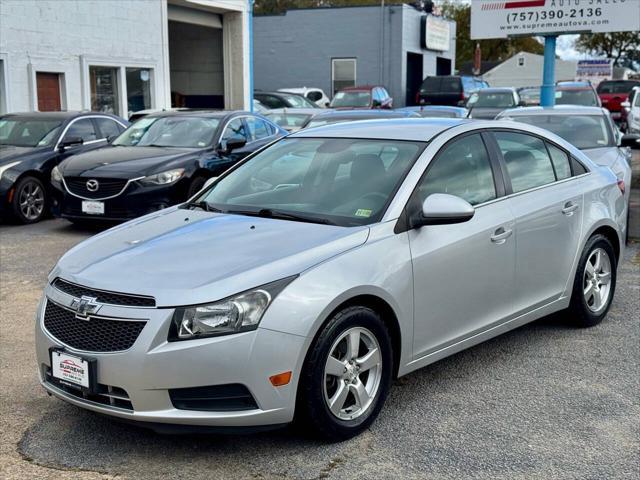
[(280, 379)]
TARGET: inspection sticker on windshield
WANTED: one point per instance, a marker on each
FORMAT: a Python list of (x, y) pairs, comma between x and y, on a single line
[(363, 212), (70, 369)]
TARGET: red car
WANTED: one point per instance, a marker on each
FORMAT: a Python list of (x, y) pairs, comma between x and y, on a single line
[(364, 97), (613, 92)]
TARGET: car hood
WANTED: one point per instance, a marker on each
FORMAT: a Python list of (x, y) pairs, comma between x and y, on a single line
[(10, 153), (123, 162), (186, 257), (605, 156)]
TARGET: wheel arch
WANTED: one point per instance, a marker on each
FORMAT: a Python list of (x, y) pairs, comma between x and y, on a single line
[(380, 306), (611, 233)]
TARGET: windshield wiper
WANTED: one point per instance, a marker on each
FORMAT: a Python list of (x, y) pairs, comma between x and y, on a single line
[(271, 213), (202, 205)]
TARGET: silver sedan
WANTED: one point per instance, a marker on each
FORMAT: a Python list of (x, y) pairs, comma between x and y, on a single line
[(305, 279)]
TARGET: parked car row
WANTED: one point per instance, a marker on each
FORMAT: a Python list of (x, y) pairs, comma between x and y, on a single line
[(87, 167)]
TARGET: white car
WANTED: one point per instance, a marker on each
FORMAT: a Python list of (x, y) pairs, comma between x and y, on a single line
[(633, 115), (315, 95)]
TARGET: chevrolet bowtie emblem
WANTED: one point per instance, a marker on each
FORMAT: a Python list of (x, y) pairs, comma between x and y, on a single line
[(85, 306)]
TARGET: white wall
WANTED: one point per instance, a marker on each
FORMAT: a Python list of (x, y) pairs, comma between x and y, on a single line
[(511, 74), (67, 36)]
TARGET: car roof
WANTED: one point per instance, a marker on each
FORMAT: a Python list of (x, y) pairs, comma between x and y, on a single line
[(55, 115), (362, 113), (497, 90), (413, 129), (199, 113), (555, 110), (360, 88), (293, 110), (574, 87), (275, 93), (420, 108)]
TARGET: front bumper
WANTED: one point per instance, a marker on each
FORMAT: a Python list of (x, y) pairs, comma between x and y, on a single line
[(134, 202), (144, 374)]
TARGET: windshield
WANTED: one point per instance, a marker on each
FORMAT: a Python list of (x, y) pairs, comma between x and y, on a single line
[(586, 98), (583, 131), (297, 101), (351, 99), (530, 96), (491, 100), (341, 181), (179, 131), (623, 86), (28, 132), (289, 120)]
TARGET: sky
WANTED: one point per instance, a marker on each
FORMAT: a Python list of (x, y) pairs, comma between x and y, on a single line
[(565, 48)]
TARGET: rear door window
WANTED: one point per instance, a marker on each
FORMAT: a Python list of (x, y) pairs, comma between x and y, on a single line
[(560, 162), (108, 127), (527, 160), (84, 129)]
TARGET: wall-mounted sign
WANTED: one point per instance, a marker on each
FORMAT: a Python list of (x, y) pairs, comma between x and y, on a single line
[(435, 33), (501, 19)]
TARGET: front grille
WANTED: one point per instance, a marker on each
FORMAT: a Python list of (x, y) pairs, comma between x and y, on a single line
[(217, 398), (107, 187), (105, 395), (111, 298), (92, 334)]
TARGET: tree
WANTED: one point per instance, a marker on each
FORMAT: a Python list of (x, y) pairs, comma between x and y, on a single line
[(492, 50), (621, 47)]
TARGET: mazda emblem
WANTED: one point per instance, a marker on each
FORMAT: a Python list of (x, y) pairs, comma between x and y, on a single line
[(93, 185)]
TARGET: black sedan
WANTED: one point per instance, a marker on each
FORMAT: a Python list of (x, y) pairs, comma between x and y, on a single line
[(161, 160), (31, 144)]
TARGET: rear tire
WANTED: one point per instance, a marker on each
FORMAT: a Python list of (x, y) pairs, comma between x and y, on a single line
[(594, 284), (30, 200), (347, 374)]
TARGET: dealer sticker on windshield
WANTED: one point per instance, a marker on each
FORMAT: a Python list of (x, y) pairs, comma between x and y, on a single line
[(363, 212), (70, 369)]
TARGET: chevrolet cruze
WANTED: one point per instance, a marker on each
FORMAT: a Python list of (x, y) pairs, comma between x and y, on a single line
[(302, 281)]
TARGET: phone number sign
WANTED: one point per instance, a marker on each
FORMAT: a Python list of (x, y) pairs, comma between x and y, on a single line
[(505, 18)]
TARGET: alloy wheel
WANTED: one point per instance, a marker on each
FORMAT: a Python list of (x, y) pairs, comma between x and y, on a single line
[(31, 200), (597, 280), (352, 373)]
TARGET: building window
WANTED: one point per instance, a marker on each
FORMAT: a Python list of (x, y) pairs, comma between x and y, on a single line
[(138, 89), (3, 88), (343, 73), (104, 89), (521, 61)]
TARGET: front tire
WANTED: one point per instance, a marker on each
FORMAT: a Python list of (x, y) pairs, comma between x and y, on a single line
[(594, 284), (29, 203), (347, 374)]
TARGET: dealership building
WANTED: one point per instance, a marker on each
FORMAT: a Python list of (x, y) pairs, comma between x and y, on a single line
[(120, 57), (331, 48)]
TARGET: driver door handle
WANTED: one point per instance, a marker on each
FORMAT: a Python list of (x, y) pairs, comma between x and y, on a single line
[(569, 208), (500, 235)]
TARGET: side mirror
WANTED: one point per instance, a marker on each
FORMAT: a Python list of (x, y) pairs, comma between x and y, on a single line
[(522, 103), (462, 103), (376, 103), (326, 104), (232, 144), (68, 142), (443, 209), (111, 138), (626, 104)]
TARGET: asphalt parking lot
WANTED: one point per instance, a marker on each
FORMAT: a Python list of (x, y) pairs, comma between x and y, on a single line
[(544, 401)]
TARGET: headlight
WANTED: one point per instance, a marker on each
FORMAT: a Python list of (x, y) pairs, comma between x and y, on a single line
[(163, 178), (56, 176), (239, 313), (6, 167)]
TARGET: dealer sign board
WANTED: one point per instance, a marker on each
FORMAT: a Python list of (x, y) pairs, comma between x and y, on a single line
[(504, 18), (435, 33)]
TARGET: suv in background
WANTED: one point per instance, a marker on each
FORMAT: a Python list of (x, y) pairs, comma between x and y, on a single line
[(273, 100), (613, 92), (363, 97), (448, 90)]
